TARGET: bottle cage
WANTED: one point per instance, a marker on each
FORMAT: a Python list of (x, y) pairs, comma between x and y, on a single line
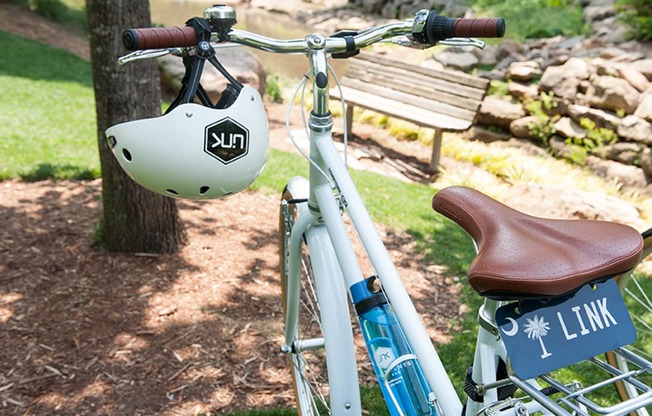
[(194, 64)]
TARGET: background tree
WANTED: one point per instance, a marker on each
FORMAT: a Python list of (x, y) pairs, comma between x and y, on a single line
[(134, 219)]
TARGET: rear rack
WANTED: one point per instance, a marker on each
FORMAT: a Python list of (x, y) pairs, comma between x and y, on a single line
[(572, 398)]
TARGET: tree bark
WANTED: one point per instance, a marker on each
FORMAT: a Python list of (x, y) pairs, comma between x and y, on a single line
[(134, 219)]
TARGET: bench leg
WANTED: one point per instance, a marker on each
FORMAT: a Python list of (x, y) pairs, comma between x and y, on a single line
[(349, 119), (436, 151)]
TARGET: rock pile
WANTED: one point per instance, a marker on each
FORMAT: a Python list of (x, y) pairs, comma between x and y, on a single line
[(569, 91)]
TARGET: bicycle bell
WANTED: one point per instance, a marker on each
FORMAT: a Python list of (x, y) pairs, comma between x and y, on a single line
[(221, 18)]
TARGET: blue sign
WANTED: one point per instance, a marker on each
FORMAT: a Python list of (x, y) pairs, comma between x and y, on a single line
[(542, 336)]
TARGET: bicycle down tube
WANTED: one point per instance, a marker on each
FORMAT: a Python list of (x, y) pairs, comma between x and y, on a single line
[(320, 124)]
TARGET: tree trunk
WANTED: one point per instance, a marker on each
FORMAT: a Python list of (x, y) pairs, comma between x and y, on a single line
[(135, 219)]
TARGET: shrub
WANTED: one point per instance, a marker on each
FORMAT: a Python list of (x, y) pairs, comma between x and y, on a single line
[(273, 89), (543, 128), (638, 16), (537, 18)]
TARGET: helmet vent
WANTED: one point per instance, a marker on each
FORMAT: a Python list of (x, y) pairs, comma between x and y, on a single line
[(126, 154), (172, 191), (204, 189)]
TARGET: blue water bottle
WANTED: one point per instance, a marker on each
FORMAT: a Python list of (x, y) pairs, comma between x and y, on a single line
[(404, 387)]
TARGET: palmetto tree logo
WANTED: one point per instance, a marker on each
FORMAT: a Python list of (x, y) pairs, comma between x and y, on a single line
[(537, 329)]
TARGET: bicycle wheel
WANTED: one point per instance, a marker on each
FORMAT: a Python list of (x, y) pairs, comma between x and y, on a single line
[(637, 292), (314, 332)]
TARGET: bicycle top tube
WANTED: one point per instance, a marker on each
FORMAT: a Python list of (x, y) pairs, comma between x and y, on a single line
[(427, 28)]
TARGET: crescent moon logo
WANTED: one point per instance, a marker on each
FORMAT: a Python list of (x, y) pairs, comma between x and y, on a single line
[(512, 331)]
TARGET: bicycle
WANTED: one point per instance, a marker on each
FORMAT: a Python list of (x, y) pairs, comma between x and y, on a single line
[(321, 276)]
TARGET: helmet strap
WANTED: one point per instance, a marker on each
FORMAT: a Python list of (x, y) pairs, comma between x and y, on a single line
[(190, 85)]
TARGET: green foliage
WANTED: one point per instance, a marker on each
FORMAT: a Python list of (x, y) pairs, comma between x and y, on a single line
[(543, 128), (595, 139), (536, 18), (498, 88), (638, 15), (403, 130), (273, 89)]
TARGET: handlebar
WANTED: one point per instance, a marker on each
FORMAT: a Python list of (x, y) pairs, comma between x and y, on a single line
[(427, 28), (159, 38)]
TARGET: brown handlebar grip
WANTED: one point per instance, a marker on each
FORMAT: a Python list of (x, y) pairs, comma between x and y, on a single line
[(159, 38), (479, 28)]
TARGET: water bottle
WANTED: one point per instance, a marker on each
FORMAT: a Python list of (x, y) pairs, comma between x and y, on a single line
[(403, 385)]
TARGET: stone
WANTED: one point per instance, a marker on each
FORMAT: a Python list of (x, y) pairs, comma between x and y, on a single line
[(605, 67), (635, 129), (629, 176), (644, 109), (559, 147), (629, 57), (508, 48), (611, 52), (644, 66), (601, 118), (593, 13), (569, 128), (623, 152), (577, 67), (500, 113), (564, 80), (611, 93), (432, 64), (463, 61), (373, 6), (635, 78), (556, 79), (524, 71), (520, 128), (482, 134), (617, 33), (646, 161), (487, 56), (519, 90)]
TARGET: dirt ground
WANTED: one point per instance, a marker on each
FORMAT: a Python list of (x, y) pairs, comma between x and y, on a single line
[(87, 332)]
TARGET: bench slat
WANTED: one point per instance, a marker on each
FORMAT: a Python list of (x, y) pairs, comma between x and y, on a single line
[(403, 79), (450, 76), (433, 90), (400, 97), (390, 107)]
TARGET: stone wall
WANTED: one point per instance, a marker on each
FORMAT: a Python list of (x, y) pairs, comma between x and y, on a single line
[(600, 78)]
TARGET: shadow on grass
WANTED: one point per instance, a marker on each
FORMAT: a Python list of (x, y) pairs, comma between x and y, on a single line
[(44, 171)]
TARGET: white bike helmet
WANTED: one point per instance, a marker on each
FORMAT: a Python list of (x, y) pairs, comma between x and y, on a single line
[(197, 151)]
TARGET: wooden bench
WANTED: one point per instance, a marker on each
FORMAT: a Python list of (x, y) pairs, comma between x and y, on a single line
[(440, 99)]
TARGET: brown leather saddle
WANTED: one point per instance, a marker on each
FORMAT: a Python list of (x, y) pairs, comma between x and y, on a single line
[(521, 256)]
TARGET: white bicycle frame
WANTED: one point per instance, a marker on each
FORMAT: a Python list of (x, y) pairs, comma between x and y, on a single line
[(336, 268), (328, 192)]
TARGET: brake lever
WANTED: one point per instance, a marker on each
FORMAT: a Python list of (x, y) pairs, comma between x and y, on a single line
[(149, 54), (463, 42), (407, 41)]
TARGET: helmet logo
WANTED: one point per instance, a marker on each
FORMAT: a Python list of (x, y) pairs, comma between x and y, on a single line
[(226, 140)]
